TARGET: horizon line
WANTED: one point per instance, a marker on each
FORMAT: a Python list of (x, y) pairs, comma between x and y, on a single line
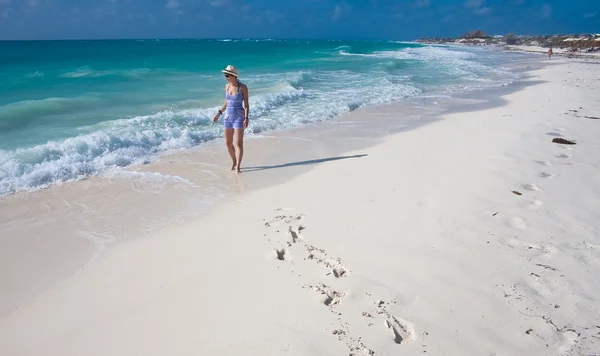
[(206, 39), (272, 38)]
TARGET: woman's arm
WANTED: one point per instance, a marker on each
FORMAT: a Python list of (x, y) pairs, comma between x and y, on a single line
[(246, 104), (223, 107), (222, 110), (224, 102)]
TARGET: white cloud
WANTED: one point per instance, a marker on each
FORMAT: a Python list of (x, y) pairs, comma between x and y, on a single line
[(144, 16), (172, 4), (33, 5), (448, 18), (483, 10), (219, 3), (478, 7), (96, 13), (274, 16), (337, 12), (175, 7), (475, 4), (341, 10), (546, 11), (422, 3), (99, 12), (5, 14)]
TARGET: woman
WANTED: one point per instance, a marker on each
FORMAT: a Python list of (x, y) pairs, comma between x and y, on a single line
[(236, 116)]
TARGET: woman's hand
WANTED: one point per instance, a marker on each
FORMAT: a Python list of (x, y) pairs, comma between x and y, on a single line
[(216, 118), (246, 121)]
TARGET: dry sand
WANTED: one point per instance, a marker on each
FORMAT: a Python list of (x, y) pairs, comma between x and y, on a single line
[(473, 235), (555, 51)]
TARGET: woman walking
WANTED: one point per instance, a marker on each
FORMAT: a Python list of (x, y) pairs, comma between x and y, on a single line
[(236, 110)]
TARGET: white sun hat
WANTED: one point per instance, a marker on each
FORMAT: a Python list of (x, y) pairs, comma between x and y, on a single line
[(231, 70)]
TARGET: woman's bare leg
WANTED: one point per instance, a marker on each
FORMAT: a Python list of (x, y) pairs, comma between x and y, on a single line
[(230, 148), (239, 147)]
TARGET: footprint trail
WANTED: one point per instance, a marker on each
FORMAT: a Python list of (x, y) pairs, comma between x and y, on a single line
[(291, 235)]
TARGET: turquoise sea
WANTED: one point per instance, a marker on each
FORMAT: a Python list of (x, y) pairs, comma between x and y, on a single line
[(71, 109)]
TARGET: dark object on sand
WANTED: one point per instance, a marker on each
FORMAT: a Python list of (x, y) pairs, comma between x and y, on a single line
[(338, 273), (517, 193), (592, 117), (563, 141)]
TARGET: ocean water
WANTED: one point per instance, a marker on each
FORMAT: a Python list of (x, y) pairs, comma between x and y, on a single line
[(71, 109)]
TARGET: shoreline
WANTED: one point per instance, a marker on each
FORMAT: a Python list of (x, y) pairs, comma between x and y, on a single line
[(90, 216), (560, 52), (417, 246)]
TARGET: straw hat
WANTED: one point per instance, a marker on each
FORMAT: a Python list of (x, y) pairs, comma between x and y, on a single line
[(231, 70)]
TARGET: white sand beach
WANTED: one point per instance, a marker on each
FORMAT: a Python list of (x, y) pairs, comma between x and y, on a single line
[(472, 235), (555, 51)]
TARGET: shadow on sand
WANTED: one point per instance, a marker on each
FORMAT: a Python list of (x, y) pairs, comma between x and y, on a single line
[(300, 163)]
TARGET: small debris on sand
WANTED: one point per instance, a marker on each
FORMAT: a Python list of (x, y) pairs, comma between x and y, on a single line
[(563, 141)]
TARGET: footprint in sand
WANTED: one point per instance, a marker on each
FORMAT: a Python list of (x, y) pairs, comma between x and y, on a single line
[(337, 269), (332, 298), (532, 248), (564, 156), (591, 246), (402, 331), (360, 350), (320, 257), (544, 280), (281, 254), (532, 187), (535, 204), (543, 163), (295, 234), (283, 218), (518, 223), (547, 174)]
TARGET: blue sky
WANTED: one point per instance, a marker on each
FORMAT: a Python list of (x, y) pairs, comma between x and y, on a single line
[(347, 19)]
